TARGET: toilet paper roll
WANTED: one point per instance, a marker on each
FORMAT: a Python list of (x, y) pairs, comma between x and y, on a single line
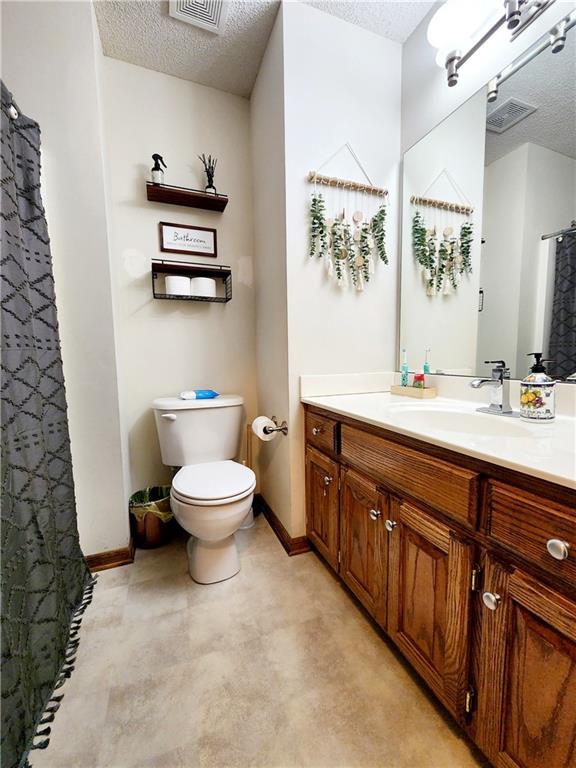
[(177, 285), (258, 428), (203, 286)]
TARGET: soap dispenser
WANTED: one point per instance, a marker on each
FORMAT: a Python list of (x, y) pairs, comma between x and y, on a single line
[(537, 396)]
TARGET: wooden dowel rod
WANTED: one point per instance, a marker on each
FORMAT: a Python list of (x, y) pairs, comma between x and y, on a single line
[(443, 204), (331, 181)]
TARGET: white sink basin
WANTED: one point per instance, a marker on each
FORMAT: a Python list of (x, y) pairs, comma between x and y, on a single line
[(464, 423)]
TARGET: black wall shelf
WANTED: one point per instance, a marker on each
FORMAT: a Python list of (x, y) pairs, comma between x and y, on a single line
[(185, 268), (193, 198)]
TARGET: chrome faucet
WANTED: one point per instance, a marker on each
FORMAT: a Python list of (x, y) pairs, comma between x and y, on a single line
[(501, 379)]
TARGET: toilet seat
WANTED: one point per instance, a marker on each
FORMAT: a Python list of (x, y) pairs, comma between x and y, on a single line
[(213, 483)]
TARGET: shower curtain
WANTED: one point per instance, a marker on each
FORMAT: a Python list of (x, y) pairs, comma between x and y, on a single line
[(46, 584), (562, 345)]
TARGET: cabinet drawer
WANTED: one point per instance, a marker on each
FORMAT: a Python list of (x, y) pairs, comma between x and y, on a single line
[(525, 523), (321, 431), (449, 488)]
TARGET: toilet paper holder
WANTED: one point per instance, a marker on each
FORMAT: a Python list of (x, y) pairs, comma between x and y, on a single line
[(278, 428)]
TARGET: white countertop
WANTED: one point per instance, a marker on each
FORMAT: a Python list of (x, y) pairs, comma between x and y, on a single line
[(546, 450)]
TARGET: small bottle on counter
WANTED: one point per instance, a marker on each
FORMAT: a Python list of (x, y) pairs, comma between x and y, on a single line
[(537, 396), (426, 366), (419, 381), (404, 369)]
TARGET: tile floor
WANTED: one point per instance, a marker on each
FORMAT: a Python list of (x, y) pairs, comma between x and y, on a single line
[(276, 668)]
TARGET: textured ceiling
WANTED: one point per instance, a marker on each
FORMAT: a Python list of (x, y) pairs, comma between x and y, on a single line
[(141, 32), (548, 82), (395, 20)]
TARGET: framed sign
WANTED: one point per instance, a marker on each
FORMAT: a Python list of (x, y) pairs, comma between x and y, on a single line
[(183, 238)]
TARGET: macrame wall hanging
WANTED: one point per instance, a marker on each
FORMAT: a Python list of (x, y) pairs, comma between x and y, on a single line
[(442, 242), (348, 226)]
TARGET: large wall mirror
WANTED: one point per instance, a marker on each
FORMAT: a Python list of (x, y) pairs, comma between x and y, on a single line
[(483, 277)]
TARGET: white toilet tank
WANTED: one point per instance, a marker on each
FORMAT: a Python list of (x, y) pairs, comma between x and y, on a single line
[(196, 431)]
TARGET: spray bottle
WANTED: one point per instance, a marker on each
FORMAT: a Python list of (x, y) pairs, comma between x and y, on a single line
[(157, 172)]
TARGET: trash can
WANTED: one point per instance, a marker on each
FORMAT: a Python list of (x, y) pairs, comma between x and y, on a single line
[(150, 515)]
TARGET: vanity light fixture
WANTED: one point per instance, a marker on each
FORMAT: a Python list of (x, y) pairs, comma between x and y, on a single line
[(459, 28), (556, 40)]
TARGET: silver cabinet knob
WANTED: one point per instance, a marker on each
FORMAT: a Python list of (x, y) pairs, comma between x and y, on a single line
[(374, 514), (491, 600), (558, 549), (327, 480), (390, 525), (317, 431)]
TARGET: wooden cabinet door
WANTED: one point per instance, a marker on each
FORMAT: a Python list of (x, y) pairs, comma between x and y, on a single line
[(322, 514), (363, 545), (429, 601), (527, 697)]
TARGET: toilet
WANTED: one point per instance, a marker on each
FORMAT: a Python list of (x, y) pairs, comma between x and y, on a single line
[(211, 495)]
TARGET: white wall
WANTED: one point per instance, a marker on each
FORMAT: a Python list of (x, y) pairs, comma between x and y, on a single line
[(165, 347), (446, 324), (426, 97), (550, 206), (342, 84), (528, 192), (502, 225), (48, 61), (268, 168)]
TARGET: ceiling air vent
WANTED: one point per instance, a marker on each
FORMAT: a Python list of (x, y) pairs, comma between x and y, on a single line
[(508, 114), (207, 14)]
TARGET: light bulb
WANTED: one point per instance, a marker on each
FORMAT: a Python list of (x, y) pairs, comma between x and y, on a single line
[(458, 22)]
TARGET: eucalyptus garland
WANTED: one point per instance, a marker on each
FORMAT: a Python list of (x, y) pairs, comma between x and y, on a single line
[(448, 260), (441, 264), (420, 242), (364, 252), (351, 253), (431, 269), (466, 238), (335, 241), (318, 230), (378, 227), (337, 248)]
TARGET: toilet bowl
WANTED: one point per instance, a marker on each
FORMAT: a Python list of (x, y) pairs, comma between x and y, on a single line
[(211, 501)]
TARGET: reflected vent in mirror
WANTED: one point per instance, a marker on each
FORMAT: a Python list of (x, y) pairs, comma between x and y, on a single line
[(207, 14), (508, 114)]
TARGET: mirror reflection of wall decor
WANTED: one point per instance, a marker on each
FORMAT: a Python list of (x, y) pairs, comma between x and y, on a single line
[(347, 226), (512, 151), (443, 249)]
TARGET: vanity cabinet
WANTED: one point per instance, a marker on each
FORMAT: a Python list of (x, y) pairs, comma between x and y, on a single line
[(322, 509), (468, 567), (527, 697), (429, 596), (364, 511)]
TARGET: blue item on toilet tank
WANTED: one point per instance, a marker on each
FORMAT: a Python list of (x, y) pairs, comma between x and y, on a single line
[(199, 394)]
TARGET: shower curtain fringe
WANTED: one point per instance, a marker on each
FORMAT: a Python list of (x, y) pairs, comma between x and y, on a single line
[(53, 703)]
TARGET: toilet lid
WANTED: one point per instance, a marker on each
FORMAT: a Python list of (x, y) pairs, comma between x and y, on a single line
[(213, 480)]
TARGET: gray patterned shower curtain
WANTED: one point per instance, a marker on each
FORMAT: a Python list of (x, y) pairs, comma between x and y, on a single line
[(562, 344), (46, 584)]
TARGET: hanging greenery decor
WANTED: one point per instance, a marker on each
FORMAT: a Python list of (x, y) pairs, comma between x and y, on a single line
[(420, 241), (350, 253), (466, 239), (347, 247), (364, 255), (378, 226), (338, 249), (318, 229), (442, 263)]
